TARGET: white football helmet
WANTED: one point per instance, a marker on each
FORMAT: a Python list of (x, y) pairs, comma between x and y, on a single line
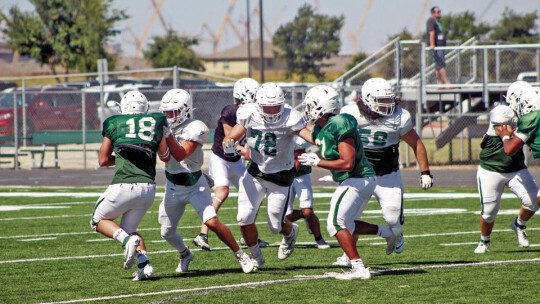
[(513, 95), (502, 114), (320, 100), (530, 100), (271, 99), (178, 102), (244, 90), (377, 94), (134, 102)]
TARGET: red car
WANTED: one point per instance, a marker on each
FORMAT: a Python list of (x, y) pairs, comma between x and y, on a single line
[(46, 109)]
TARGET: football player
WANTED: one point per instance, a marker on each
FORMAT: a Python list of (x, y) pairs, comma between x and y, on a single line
[(184, 182), (269, 128), (496, 170), (382, 124), (134, 137), (301, 187), (226, 170), (342, 153), (525, 101)]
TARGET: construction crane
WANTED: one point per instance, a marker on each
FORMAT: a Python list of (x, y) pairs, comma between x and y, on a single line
[(139, 40), (216, 37), (421, 18), (354, 36)]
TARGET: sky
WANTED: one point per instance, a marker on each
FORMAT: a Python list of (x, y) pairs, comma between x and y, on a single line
[(376, 19)]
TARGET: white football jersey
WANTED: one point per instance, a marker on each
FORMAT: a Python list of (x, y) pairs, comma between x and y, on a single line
[(300, 143), (383, 132), (193, 130), (271, 144)]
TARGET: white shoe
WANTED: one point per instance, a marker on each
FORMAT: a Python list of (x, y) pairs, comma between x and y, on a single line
[(391, 241), (343, 261), (262, 243), (400, 244), (184, 262), (483, 247), (286, 247), (322, 244), (130, 251), (144, 273), (523, 241), (307, 227), (259, 261), (201, 240), (355, 273), (248, 265)]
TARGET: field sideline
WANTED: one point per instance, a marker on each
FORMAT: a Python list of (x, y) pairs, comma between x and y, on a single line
[(48, 253)]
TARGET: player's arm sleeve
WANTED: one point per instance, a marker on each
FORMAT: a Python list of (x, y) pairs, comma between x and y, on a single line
[(228, 115), (297, 120), (526, 127), (347, 127), (198, 132), (406, 123), (243, 116)]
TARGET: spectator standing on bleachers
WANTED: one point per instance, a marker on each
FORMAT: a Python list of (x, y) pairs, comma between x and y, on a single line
[(437, 37)]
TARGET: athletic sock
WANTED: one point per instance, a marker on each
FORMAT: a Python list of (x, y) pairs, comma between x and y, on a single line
[(520, 222), (318, 238), (121, 236), (357, 263), (384, 231), (485, 239), (255, 251), (185, 253), (142, 257)]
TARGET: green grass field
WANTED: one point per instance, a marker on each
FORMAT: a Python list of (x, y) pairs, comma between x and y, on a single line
[(48, 253)]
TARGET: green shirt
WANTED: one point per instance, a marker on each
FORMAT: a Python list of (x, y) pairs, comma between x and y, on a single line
[(136, 139), (339, 128), (529, 125), (493, 158)]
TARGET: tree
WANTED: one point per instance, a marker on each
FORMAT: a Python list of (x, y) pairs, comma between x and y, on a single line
[(64, 33), (516, 28), (463, 26), (306, 41), (171, 50)]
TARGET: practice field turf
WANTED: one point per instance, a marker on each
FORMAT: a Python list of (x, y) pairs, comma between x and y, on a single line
[(48, 253)]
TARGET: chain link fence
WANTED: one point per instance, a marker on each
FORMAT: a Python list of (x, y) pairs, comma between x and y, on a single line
[(451, 121)]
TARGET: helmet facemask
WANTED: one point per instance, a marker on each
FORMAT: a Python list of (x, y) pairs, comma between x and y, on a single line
[(270, 100), (176, 104)]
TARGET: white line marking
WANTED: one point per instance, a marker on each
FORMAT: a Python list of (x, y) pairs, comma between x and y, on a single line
[(298, 278), (459, 244), (38, 239)]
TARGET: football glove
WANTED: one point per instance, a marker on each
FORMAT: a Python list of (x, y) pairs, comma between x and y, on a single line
[(426, 180), (229, 148), (309, 159), (166, 131)]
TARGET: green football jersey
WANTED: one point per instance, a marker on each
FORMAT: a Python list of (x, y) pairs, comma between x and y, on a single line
[(493, 157), (338, 129), (528, 125), (136, 139)]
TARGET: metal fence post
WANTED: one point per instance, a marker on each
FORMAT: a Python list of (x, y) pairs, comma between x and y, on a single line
[(398, 65), (175, 77), (16, 131), (497, 64), (421, 88), (83, 104), (537, 64), (23, 111), (485, 78)]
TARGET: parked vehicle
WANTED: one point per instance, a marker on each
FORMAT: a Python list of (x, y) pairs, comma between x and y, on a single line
[(531, 76), (183, 83), (112, 94), (50, 108)]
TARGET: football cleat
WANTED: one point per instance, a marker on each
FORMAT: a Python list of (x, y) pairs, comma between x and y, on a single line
[(355, 273), (322, 244), (130, 250), (262, 243), (400, 244), (286, 247), (201, 240), (343, 261), (523, 241), (183, 265), (248, 265), (259, 260), (391, 241), (483, 247), (144, 273)]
